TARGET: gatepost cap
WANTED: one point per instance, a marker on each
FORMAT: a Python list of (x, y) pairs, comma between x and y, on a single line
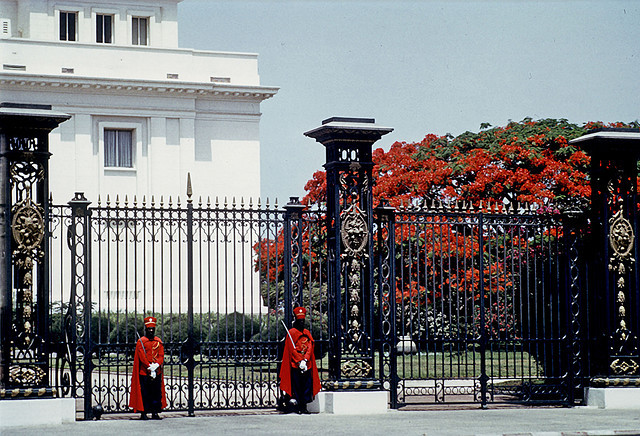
[(149, 322), (300, 312)]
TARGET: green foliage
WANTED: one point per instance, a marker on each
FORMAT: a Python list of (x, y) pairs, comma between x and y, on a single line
[(99, 324), (318, 324), (315, 297), (126, 328), (123, 328), (234, 327), (271, 329), (272, 293)]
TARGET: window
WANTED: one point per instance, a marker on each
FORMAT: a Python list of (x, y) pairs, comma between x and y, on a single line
[(104, 28), (139, 34), (68, 22), (118, 148)]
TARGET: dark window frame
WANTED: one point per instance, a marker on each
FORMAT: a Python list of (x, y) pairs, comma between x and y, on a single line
[(140, 30), (68, 25), (104, 28)]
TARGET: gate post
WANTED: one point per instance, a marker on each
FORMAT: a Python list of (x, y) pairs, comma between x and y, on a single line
[(484, 378), (573, 222), (190, 345), (348, 143), (24, 274), (614, 291), (386, 265), (293, 277), (77, 320)]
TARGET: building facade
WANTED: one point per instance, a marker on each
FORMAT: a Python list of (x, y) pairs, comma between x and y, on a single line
[(144, 111)]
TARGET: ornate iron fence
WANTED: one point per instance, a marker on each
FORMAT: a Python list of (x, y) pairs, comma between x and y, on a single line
[(487, 306), (438, 304), (213, 275), (473, 306)]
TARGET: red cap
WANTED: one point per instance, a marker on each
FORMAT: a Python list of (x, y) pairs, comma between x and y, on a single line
[(300, 312), (150, 321)]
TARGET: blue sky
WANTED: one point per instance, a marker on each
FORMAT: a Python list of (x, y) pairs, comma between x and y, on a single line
[(421, 66)]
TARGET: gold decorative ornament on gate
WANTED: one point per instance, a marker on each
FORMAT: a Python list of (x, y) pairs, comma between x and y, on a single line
[(354, 232), (27, 227), (356, 368)]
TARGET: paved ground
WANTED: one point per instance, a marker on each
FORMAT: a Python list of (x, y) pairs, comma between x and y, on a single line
[(503, 421)]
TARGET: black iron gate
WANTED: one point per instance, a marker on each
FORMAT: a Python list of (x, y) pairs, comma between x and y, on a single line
[(441, 303), (437, 304), (487, 305), (212, 274), (471, 306)]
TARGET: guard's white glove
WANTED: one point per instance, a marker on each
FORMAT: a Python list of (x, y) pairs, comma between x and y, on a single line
[(303, 365), (152, 369)]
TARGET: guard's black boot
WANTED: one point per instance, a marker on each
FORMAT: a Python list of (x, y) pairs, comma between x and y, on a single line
[(155, 416), (283, 404), (143, 416), (302, 410)]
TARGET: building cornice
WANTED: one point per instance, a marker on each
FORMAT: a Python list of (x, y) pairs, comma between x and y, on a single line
[(176, 88)]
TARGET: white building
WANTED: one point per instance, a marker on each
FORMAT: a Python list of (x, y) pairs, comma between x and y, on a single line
[(144, 111)]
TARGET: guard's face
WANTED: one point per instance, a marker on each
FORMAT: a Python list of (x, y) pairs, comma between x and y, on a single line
[(150, 332)]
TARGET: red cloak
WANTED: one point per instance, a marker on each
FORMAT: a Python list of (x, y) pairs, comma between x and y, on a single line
[(291, 357), (147, 352)]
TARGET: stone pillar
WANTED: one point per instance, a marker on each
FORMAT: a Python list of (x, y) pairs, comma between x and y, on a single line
[(24, 275), (613, 296), (348, 143)]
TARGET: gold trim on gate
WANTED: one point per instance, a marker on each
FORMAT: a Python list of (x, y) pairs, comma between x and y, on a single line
[(621, 239), (355, 368), (26, 375), (354, 232), (624, 366), (27, 227)]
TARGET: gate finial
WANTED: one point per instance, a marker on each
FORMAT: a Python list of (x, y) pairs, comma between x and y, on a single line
[(189, 189)]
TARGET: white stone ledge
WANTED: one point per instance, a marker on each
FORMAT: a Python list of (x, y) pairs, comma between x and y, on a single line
[(613, 397), (45, 411), (350, 403)]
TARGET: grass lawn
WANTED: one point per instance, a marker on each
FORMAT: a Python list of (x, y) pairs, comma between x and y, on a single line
[(467, 364), (424, 365)]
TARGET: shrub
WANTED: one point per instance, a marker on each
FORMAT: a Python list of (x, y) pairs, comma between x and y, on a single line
[(234, 327)]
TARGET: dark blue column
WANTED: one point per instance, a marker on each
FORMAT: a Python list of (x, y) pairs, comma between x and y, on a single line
[(613, 285), (24, 276), (348, 143)]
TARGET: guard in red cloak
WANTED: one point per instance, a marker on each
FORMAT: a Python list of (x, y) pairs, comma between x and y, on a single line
[(147, 382), (298, 371)]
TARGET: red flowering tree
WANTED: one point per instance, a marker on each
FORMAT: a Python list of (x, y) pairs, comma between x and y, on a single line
[(529, 161)]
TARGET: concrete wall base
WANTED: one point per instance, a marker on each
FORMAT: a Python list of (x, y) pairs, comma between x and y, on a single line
[(44, 411), (350, 403), (613, 397)]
